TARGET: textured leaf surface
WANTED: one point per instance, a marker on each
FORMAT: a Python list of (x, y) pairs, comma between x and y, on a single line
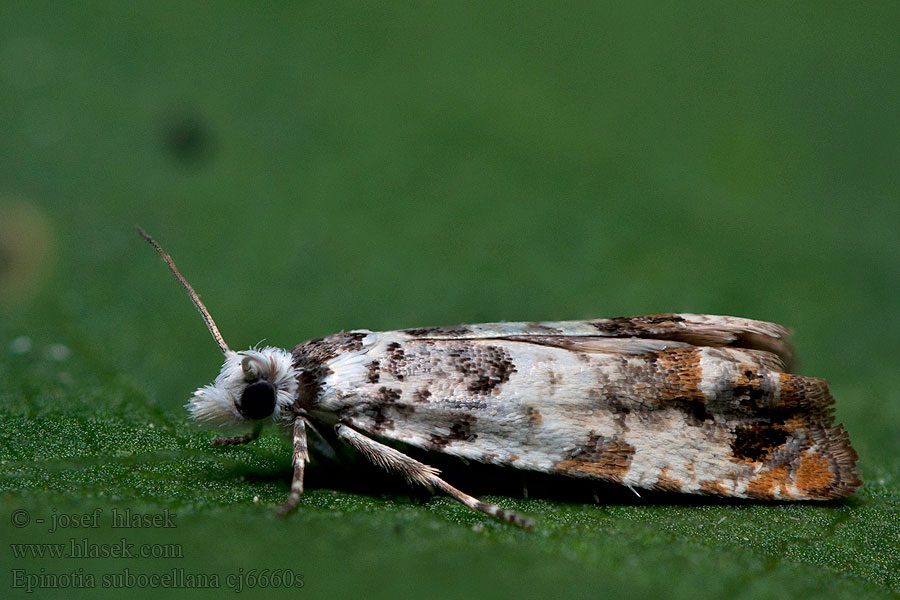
[(317, 167)]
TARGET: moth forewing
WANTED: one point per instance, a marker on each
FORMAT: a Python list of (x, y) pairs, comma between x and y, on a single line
[(676, 402), (657, 414)]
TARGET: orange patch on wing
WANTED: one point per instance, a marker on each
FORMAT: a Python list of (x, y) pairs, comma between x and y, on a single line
[(764, 484), (682, 373), (806, 393), (535, 417), (814, 476), (798, 423), (609, 461), (666, 483), (713, 487)]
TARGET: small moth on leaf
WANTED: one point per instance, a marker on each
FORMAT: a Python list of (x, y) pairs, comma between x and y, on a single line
[(688, 403)]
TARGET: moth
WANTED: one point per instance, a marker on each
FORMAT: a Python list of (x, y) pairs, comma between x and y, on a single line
[(697, 404)]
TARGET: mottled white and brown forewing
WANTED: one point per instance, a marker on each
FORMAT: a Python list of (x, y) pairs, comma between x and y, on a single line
[(688, 403)]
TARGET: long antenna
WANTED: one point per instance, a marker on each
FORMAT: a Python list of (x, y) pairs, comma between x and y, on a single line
[(194, 297)]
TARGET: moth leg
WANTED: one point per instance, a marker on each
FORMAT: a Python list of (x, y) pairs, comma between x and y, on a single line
[(320, 444), (239, 439), (415, 472), (299, 460)]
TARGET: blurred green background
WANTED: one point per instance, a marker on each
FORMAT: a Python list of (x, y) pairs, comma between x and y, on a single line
[(319, 166)]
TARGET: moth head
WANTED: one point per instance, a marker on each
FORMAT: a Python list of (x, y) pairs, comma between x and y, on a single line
[(253, 385)]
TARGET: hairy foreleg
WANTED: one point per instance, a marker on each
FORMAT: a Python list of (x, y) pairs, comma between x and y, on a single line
[(238, 440), (299, 459), (415, 472)]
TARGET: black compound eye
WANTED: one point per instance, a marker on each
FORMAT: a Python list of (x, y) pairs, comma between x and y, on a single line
[(258, 400)]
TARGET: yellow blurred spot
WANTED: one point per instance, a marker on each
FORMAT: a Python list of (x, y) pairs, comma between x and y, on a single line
[(25, 251)]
